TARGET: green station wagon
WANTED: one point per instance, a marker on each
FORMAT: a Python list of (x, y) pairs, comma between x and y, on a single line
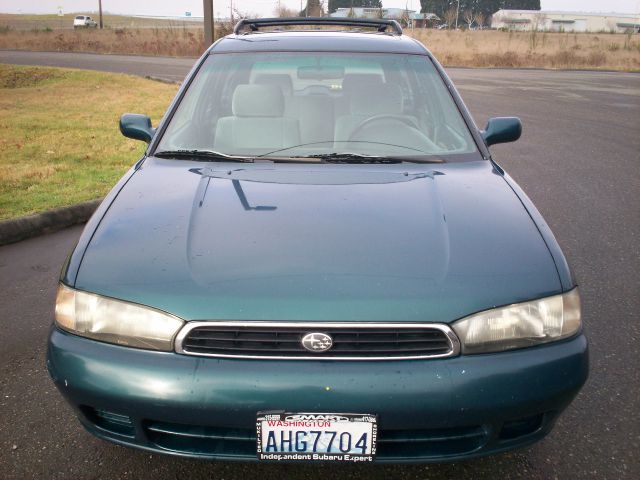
[(317, 259)]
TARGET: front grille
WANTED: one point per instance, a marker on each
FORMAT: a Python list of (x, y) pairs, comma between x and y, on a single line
[(351, 341)]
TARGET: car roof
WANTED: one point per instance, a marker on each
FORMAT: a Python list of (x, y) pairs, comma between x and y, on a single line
[(315, 41)]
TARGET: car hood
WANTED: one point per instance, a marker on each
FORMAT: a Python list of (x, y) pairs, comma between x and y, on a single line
[(402, 242)]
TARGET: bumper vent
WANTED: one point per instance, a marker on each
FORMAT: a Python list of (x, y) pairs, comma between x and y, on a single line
[(348, 341), (116, 423), (432, 443), (202, 440)]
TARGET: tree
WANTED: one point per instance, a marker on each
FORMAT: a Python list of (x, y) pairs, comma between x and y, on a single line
[(313, 9), (539, 21), (405, 19), (485, 7), (450, 17), (283, 12), (242, 14), (469, 17)]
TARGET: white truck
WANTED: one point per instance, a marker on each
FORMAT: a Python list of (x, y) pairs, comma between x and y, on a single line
[(84, 21)]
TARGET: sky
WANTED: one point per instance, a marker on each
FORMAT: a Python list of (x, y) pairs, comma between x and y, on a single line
[(261, 7)]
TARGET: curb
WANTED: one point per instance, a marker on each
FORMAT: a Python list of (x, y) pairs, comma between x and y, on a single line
[(162, 80), (18, 229)]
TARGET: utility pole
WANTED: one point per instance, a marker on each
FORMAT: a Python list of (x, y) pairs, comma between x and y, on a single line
[(209, 28), (457, 12), (100, 11)]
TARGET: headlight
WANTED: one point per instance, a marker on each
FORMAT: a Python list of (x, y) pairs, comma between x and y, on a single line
[(520, 325), (115, 321)]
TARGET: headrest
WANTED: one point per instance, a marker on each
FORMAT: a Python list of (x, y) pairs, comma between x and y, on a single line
[(355, 81), (375, 101), (283, 80), (258, 101)]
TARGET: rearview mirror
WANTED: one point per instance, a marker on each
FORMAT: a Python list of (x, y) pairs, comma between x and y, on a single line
[(320, 72), (502, 130), (136, 126)]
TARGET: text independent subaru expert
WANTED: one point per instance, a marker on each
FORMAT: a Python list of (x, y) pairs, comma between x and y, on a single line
[(317, 259)]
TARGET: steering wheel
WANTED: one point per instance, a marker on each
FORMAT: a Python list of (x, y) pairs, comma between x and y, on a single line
[(408, 121)]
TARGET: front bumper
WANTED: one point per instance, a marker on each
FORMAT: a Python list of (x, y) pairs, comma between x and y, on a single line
[(428, 410)]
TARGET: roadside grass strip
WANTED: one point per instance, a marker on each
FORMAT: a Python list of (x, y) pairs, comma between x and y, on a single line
[(59, 137)]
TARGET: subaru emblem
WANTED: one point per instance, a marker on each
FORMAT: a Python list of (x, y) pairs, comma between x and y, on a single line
[(317, 342)]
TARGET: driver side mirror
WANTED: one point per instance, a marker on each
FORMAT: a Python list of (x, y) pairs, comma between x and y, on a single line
[(502, 130), (136, 126)]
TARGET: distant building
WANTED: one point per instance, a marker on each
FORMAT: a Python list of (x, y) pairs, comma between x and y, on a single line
[(565, 21), (424, 20), (361, 12), (409, 17)]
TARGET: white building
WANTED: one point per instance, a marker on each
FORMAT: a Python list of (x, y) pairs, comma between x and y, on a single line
[(565, 21)]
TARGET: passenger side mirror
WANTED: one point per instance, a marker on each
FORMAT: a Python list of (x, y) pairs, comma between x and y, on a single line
[(502, 130), (136, 126)]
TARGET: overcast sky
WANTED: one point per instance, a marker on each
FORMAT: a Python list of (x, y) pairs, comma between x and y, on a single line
[(262, 7)]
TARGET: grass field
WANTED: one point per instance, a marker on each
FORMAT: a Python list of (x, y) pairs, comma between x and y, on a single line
[(486, 48), (54, 22), (59, 137), (492, 48)]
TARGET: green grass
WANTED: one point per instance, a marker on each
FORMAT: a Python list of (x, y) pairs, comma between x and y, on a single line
[(59, 137)]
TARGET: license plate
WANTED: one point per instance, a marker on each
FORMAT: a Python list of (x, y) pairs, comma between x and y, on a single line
[(341, 437)]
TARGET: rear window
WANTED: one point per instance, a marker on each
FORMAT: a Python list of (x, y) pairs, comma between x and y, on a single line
[(80, 17), (298, 104)]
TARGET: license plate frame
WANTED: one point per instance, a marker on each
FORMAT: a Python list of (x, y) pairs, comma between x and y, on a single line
[(293, 436)]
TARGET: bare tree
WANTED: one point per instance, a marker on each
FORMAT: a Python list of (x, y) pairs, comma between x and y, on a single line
[(480, 19), (282, 11), (243, 14), (539, 21), (323, 7), (469, 17), (450, 17), (313, 9), (537, 24)]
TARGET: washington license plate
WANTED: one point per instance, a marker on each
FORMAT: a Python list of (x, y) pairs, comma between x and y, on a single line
[(341, 437)]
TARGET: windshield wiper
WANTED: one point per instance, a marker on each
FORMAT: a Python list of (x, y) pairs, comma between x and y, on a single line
[(210, 155), (350, 158), (358, 158)]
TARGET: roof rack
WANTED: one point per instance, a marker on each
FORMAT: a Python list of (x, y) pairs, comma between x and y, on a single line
[(380, 23)]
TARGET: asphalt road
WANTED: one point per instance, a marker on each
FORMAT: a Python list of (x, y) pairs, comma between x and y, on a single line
[(165, 68), (578, 160)]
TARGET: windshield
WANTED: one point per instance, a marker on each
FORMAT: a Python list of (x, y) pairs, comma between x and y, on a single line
[(315, 104)]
